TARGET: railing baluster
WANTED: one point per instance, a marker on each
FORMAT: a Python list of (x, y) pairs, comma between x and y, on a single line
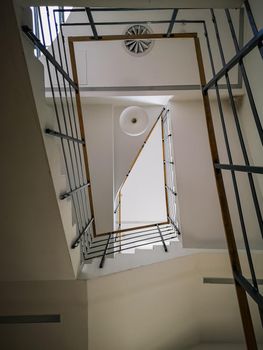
[(85, 195), (68, 194), (245, 78), (76, 241), (160, 233), (231, 167), (105, 252), (63, 136), (253, 24), (238, 127)]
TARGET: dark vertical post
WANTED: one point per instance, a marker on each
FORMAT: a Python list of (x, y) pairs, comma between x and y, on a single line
[(230, 159), (171, 25), (92, 24), (36, 27), (253, 24), (104, 253), (238, 127), (230, 238), (81, 126), (164, 164), (160, 233), (245, 77), (119, 215)]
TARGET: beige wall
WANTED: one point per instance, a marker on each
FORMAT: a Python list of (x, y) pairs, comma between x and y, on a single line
[(99, 135), (33, 242), (167, 306), (69, 299), (161, 306), (200, 214)]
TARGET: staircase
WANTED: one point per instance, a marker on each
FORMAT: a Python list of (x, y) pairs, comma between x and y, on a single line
[(136, 248)]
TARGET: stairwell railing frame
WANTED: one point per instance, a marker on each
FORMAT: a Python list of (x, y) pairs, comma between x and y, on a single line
[(243, 286), (110, 244), (65, 93), (241, 283), (169, 171)]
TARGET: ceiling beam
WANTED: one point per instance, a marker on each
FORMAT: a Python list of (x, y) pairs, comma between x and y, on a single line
[(137, 3)]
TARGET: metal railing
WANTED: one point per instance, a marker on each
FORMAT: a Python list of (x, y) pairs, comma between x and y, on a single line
[(169, 177), (243, 285), (68, 119), (112, 243), (60, 66), (169, 173)]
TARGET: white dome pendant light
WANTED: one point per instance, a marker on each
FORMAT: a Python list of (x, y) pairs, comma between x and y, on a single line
[(134, 121)]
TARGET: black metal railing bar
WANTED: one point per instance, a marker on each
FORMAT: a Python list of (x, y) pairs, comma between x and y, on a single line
[(237, 124), (236, 59), (63, 136), (245, 79), (113, 251), (243, 168), (68, 194), (76, 241), (133, 237)]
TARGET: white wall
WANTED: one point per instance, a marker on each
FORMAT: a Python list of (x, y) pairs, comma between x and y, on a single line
[(200, 215), (68, 299), (143, 194), (107, 64), (118, 68), (126, 147), (99, 137), (111, 153)]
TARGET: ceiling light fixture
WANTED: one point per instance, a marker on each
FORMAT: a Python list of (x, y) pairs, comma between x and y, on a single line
[(134, 121)]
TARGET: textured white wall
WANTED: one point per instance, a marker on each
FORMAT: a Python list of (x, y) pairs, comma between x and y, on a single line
[(99, 136), (126, 147), (107, 64), (143, 195), (200, 214)]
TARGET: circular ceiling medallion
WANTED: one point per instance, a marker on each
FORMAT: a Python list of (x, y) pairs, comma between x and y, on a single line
[(138, 47), (134, 121)]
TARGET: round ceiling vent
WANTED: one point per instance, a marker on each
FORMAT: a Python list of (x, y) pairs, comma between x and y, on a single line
[(134, 121), (138, 47)]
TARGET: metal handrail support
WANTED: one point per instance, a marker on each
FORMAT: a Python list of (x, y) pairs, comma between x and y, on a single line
[(174, 225), (63, 136), (76, 241), (164, 244), (236, 59), (48, 55), (245, 78), (69, 193), (102, 262), (253, 24)]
